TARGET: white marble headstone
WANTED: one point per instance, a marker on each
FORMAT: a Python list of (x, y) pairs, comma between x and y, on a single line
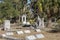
[(39, 36), (7, 25), (31, 37), (42, 23), (3, 35), (20, 32), (27, 31), (38, 30), (9, 33), (23, 18)]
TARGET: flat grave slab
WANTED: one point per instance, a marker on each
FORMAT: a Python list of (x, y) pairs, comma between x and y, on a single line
[(31, 37), (20, 32), (39, 36), (27, 31), (38, 30), (3, 35), (9, 33)]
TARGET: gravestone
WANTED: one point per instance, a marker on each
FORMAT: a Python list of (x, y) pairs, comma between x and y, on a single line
[(24, 19), (38, 30), (19, 32), (39, 22), (38, 36), (27, 31), (31, 37), (9, 33), (7, 25), (42, 23), (3, 35)]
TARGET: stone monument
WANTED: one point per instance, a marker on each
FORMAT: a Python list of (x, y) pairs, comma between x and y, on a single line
[(42, 23), (24, 19), (39, 22), (7, 25)]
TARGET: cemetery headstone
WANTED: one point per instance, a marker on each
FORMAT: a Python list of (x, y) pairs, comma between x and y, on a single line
[(24, 19), (31, 37), (20, 32), (39, 22), (27, 31), (39, 36), (7, 25), (9, 33), (42, 22), (38, 30), (3, 35)]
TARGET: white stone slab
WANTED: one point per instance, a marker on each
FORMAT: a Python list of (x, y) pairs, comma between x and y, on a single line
[(39, 36), (20, 32), (28, 23), (38, 30), (9, 33), (3, 35), (24, 23), (27, 31), (31, 37)]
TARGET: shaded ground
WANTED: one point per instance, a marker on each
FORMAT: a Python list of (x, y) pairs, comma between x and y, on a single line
[(51, 36)]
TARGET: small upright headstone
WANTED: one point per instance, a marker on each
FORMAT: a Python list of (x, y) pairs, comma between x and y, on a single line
[(38, 30), (39, 22), (7, 25), (24, 19), (42, 23)]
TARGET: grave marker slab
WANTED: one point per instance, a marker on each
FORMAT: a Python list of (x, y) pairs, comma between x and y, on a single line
[(9, 33), (27, 31), (38, 30), (31, 37), (20, 32), (3, 35), (39, 36)]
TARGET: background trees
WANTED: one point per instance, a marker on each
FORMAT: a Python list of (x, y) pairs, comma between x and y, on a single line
[(44, 8)]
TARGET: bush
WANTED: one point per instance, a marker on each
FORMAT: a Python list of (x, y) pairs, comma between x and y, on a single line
[(57, 27), (58, 21), (1, 21)]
